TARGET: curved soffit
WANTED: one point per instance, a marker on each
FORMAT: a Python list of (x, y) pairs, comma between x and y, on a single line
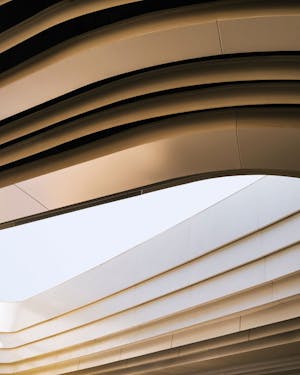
[(215, 91)]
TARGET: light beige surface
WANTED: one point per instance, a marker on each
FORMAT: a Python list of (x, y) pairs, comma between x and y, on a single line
[(275, 68), (22, 202), (51, 16), (196, 143), (203, 287), (249, 94), (209, 143), (164, 44), (220, 291)]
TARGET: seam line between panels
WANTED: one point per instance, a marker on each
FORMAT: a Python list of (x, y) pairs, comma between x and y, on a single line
[(32, 197), (237, 140), (219, 35)]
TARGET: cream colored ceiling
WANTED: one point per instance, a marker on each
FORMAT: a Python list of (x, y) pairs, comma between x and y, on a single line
[(215, 115)]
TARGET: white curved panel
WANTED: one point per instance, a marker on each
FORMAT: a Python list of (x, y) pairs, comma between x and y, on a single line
[(225, 281)]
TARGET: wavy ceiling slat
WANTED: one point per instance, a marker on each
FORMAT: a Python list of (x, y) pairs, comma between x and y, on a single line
[(99, 13), (91, 87), (51, 16), (146, 139), (80, 25), (212, 70), (43, 327), (83, 331), (57, 77), (169, 110), (15, 11), (134, 112)]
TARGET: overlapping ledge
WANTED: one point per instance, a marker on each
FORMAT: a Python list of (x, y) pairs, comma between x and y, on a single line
[(201, 280)]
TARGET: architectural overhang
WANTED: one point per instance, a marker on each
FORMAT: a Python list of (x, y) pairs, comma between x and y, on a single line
[(101, 100), (220, 291), (106, 99)]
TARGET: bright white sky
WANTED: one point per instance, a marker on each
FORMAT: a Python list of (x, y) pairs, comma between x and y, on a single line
[(42, 254)]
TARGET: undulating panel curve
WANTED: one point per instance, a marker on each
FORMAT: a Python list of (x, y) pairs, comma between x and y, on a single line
[(217, 291), (136, 95), (107, 99)]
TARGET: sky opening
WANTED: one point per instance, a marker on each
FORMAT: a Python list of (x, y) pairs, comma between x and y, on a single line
[(42, 254)]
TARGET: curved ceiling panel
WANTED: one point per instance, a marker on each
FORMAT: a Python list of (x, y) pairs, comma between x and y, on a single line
[(247, 275), (156, 81), (133, 94), (105, 99), (12, 12), (77, 16), (183, 33)]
